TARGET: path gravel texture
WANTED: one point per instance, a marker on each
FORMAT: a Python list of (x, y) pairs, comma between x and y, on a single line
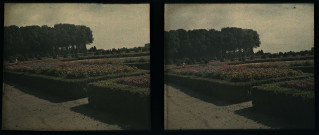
[(187, 110), (26, 109)]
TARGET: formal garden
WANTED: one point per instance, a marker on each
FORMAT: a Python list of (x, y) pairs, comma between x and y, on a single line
[(122, 84), (283, 89)]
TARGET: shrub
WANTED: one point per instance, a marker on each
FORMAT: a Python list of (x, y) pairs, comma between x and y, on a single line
[(197, 59), (305, 69), (12, 59), (108, 56), (292, 104), (204, 60), (142, 65), (213, 88), (69, 88), (170, 61), (188, 61), (243, 59), (264, 56), (141, 60), (178, 62), (128, 61), (126, 100), (221, 59), (227, 90)]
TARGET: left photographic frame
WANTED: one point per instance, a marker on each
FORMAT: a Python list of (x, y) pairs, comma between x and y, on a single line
[(76, 67)]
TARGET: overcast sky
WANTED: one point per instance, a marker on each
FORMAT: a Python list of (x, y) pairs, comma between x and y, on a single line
[(281, 27), (113, 25)]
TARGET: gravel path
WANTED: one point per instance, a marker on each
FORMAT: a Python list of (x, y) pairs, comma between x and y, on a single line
[(183, 111), (23, 111)]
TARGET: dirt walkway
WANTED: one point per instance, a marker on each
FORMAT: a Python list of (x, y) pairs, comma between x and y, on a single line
[(23, 111), (183, 111)]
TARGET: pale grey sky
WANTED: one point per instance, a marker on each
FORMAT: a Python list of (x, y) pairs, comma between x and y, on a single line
[(113, 25), (281, 27)]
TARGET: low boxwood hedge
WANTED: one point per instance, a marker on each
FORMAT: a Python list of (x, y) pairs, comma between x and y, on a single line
[(305, 69), (140, 65), (222, 89), (111, 96), (285, 103), (311, 57), (66, 88)]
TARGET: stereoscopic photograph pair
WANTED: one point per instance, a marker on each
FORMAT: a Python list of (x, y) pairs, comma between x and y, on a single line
[(87, 67)]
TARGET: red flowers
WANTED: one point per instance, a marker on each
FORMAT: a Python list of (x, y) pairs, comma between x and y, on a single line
[(306, 84), (139, 81), (68, 69), (236, 72)]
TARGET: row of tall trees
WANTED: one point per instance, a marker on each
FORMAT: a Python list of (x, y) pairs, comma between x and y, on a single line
[(230, 42), (43, 41)]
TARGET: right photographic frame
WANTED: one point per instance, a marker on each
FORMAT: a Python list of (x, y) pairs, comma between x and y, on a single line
[(239, 66)]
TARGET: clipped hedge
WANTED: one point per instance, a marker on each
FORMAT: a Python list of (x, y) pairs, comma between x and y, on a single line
[(108, 56), (130, 101), (305, 69), (285, 103), (222, 89), (140, 65), (273, 60), (66, 88)]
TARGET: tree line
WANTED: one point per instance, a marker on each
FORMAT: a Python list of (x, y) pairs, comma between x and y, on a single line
[(96, 51), (228, 43), (263, 55), (44, 41)]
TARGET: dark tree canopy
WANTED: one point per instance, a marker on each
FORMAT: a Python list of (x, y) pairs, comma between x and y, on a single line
[(230, 42), (36, 41)]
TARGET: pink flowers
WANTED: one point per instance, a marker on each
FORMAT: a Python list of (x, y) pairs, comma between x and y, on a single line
[(268, 65), (139, 81), (237, 73), (241, 73), (68, 69), (306, 84)]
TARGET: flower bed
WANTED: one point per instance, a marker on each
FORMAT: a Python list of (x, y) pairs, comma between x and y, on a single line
[(69, 70), (235, 73), (306, 66), (306, 84), (58, 86), (290, 100), (139, 81)]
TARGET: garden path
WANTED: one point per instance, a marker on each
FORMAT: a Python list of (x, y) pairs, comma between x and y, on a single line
[(183, 111), (22, 111)]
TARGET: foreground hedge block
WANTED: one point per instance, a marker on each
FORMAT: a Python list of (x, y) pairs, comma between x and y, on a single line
[(285, 103), (130, 101), (66, 88), (222, 89)]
